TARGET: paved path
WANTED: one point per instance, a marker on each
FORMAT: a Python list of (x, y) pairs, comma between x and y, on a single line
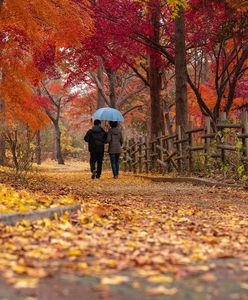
[(228, 277)]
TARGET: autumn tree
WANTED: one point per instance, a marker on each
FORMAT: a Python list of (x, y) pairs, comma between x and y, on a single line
[(54, 98), (24, 28), (181, 71), (118, 87), (154, 69), (102, 61), (225, 48), (119, 42)]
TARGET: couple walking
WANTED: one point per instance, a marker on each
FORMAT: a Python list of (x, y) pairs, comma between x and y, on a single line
[(96, 137)]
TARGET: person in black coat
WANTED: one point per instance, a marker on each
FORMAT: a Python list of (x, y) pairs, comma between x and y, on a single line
[(96, 137)]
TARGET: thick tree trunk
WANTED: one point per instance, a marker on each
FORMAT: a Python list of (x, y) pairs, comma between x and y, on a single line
[(2, 133), (167, 117), (181, 72), (154, 73), (155, 89), (57, 144), (112, 95), (38, 148)]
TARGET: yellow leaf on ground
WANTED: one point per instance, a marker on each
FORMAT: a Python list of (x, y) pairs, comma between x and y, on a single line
[(19, 269), (27, 282), (114, 280), (161, 290), (74, 252), (160, 279)]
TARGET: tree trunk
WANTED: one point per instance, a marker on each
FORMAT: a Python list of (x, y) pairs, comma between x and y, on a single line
[(13, 144), (14, 157), (181, 72), (2, 133), (112, 95), (100, 98), (38, 148), (154, 73), (57, 144), (167, 117), (205, 75)]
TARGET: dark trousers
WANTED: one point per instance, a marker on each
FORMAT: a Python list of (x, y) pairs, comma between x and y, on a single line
[(114, 159), (96, 158)]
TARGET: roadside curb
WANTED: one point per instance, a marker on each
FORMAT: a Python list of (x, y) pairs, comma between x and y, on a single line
[(13, 218), (193, 180)]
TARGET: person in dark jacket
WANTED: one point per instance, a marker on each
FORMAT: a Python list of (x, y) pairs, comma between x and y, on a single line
[(115, 140), (96, 137)]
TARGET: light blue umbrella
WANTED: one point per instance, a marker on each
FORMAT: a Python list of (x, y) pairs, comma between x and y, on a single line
[(108, 114)]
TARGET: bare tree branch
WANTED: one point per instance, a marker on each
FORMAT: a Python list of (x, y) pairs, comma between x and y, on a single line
[(121, 101), (132, 108), (100, 87)]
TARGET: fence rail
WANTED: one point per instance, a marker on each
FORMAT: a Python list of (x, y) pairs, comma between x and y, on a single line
[(184, 149)]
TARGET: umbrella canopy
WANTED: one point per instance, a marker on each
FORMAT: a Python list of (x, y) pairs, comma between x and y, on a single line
[(108, 114)]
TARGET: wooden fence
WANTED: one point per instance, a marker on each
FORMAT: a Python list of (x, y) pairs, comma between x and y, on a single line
[(185, 150)]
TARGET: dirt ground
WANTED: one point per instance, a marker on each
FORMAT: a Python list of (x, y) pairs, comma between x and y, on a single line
[(169, 240)]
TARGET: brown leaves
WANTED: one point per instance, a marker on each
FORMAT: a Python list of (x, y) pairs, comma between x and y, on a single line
[(150, 231), (208, 277)]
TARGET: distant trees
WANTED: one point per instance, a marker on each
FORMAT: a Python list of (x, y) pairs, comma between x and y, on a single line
[(138, 54), (26, 26)]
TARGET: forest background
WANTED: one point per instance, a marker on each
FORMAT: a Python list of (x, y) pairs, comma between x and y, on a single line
[(163, 64)]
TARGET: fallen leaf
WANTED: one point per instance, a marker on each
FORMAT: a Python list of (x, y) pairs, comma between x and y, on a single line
[(160, 279), (114, 280), (161, 290), (209, 277)]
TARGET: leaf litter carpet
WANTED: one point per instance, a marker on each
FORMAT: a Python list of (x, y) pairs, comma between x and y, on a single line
[(132, 239)]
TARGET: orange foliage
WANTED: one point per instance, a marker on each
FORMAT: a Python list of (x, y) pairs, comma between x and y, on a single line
[(208, 92), (61, 20), (25, 26), (195, 113), (18, 95), (209, 96), (80, 112), (241, 5)]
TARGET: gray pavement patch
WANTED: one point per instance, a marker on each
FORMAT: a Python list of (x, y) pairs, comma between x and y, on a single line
[(193, 180), (50, 213), (223, 281)]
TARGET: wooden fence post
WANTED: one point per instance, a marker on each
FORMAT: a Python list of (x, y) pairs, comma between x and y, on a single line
[(207, 139), (129, 156), (125, 156), (223, 119), (169, 146), (140, 145), (134, 148), (160, 151), (179, 148), (244, 122), (164, 146), (153, 153), (147, 158), (190, 140)]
